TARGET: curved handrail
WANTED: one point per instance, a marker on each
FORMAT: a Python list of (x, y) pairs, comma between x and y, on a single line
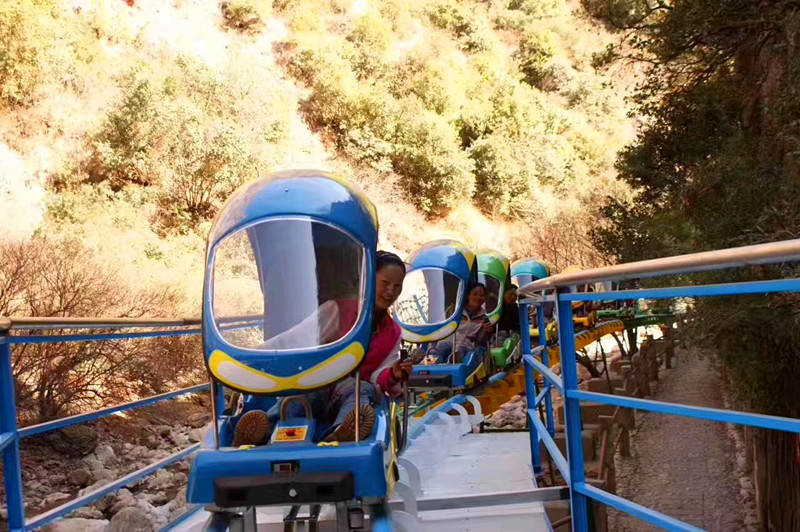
[(771, 253), (8, 323)]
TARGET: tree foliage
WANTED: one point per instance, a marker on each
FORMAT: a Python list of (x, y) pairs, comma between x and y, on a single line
[(716, 165), (430, 92), (61, 278), (196, 144)]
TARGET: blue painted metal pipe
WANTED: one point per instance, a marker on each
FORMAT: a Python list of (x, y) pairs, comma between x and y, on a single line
[(541, 321), (548, 374), (698, 412), (709, 290), (549, 442), (572, 414), (6, 438), (12, 472), (544, 393), (83, 418), (530, 387), (637, 510), (71, 338)]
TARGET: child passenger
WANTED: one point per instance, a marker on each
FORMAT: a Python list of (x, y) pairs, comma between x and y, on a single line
[(473, 331)]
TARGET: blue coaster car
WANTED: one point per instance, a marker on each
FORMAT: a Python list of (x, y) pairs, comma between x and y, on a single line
[(287, 309), (452, 377), (430, 308), (528, 270)]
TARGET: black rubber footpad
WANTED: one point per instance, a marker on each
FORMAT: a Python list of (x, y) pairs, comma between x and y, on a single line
[(419, 380), (283, 488)]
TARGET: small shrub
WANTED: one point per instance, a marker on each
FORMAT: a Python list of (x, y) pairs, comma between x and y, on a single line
[(427, 155), (501, 175), (536, 51), (62, 278), (304, 16), (195, 134), (540, 9), (372, 37), (245, 16), (438, 81), (120, 148), (470, 27), (27, 39), (359, 119)]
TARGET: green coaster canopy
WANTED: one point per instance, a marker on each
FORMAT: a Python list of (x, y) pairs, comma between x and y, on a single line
[(494, 271)]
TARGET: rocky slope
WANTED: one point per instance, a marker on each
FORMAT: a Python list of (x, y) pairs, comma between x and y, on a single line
[(63, 465)]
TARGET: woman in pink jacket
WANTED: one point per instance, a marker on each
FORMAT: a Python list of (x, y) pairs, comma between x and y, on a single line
[(382, 372)]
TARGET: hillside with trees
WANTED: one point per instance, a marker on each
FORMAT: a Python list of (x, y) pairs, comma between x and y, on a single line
[(124, 125), (717, 167)]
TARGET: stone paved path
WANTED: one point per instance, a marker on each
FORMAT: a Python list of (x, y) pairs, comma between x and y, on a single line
[(681, 467)]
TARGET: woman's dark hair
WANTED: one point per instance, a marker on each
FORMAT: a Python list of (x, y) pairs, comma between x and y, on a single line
[(385, 258), (473, 286)]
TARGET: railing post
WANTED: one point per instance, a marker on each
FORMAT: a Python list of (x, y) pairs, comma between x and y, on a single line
[(548, 398), (12, 473), (572, 414), (530, 386)]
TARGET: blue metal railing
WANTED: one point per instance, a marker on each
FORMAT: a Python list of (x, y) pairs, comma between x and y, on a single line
[(573, 469), (11, 434)]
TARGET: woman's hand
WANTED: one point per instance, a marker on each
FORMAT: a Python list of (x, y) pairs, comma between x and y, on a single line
[(488, 327), (402, 369)]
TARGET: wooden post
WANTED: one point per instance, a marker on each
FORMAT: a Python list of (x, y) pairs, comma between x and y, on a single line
[(670, 351)]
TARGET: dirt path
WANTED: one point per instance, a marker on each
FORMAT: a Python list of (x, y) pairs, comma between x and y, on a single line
[(681, 467)]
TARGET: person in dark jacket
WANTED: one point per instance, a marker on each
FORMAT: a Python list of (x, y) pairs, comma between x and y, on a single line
[(509, 318)]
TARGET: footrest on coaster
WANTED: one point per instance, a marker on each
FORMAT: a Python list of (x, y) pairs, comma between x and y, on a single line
[(283, 488), (422, 380)]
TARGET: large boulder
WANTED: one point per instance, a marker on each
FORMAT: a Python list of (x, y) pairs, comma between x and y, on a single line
[(131, 519), (79, 477), (87, 512), (161, 480), (75, 441), (158, 515), (178, 504), (198, 420), (54, 499), (77, 524), (98, 469), (106, 455), (158, 498), (122, 499)]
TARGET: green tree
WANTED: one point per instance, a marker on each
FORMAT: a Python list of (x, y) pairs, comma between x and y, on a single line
[(717, 167)]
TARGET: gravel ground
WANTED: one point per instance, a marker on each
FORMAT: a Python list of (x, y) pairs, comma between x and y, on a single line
[(679, 466)]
